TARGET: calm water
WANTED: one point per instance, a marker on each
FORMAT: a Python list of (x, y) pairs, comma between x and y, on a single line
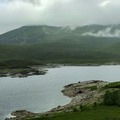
[(41, 93)]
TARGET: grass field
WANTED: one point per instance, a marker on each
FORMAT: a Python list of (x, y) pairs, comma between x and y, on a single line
[(100, 113)]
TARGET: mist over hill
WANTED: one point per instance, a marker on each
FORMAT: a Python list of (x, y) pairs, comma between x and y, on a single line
[(89, 43), (44, 33)]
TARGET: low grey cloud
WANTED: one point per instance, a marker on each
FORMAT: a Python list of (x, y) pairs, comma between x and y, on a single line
[(16, 13), (34, 2)]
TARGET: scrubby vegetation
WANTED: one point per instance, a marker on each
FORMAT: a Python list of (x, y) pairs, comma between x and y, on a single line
[(112, 98), (100, 113), (113, 85), (18, 63), (19, 68)]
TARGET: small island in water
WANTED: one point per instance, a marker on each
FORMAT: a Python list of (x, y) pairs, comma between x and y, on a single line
[(92, 98)]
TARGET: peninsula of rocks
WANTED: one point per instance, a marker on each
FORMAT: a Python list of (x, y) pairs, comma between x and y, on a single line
[(81, 93)]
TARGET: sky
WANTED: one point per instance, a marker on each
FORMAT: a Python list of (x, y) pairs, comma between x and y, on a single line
[(17, 13)]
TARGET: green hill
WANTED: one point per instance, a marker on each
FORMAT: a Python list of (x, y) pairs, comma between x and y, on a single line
[(50, 44)]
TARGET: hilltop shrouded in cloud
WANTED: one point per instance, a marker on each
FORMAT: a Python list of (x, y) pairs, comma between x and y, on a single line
[(16, 13)]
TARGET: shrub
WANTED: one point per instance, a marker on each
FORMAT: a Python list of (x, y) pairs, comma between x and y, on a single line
[(75, 109), (113, 85), (112, 98), (84, 107)]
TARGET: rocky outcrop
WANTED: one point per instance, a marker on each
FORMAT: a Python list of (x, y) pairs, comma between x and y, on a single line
[(20, 114), (82, 93), (85, 93), (21, 72)]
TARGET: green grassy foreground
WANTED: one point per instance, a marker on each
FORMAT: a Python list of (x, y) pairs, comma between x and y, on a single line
[(99, 113)]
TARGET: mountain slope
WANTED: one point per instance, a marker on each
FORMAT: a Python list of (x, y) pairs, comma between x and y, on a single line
[(61, 44), (33, 34), (38, 34)]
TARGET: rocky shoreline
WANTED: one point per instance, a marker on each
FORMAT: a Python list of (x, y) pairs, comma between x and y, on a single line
[(22, 72), (38, 69), (26, 71), (81, 93)]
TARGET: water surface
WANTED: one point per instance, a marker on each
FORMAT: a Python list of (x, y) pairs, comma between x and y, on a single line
[(41, 93)]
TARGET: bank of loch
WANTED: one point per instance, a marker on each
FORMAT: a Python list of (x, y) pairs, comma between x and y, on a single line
[(87, 98)]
